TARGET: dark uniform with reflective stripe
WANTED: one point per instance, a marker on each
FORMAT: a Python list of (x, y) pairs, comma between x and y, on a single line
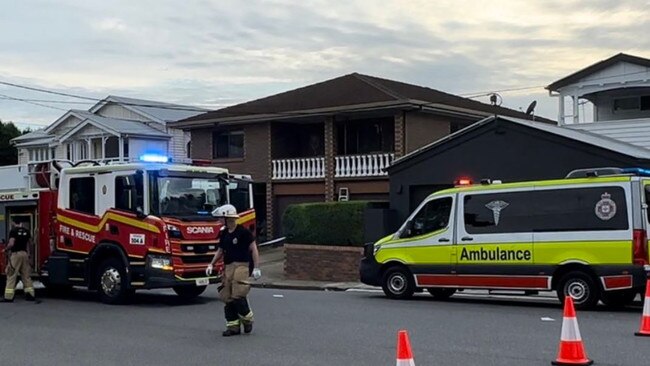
[(236, 256), (19, 264)]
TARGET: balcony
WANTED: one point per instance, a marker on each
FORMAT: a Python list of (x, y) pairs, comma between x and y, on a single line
[(346, 166), (302, 168)]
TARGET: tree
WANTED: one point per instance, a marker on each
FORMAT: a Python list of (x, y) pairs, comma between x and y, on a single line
[(8, 153)]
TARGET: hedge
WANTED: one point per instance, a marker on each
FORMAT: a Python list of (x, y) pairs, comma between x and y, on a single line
[(328, 223)]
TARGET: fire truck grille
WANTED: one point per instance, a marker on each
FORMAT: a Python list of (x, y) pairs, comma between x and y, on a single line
[(199, 248), (197, 259)]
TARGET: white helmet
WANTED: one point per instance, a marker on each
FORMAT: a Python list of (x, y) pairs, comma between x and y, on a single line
[(225, 211)]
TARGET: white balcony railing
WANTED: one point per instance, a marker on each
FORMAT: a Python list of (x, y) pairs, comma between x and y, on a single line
[(371, 165), (303, 168)]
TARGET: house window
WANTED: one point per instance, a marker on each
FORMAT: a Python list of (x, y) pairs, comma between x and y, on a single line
[(365, 136), (627, 104), (83, 151), (82, 195), (69, 152), (228, 144), (645, 103)]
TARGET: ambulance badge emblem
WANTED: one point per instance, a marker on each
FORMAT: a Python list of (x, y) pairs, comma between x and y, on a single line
[(497, 207), (606, 207)]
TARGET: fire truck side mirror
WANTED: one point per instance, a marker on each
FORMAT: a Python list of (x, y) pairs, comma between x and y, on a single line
[(140, 213)]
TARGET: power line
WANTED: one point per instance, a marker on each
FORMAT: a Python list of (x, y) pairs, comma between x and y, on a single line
[(4, 96), (45, 90), (30, 102), (486, 93), (95, 100)]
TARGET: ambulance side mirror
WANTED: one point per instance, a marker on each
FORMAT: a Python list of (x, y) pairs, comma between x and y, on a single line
[(406, 231)]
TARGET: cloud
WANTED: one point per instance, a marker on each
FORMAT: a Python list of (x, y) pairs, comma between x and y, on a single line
[(110, 25), (219, 52)]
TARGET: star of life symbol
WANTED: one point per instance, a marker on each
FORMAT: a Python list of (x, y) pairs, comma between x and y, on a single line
[(497, 207), (606, 207)]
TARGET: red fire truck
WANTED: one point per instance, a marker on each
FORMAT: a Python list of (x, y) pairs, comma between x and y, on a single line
[(120, 227)]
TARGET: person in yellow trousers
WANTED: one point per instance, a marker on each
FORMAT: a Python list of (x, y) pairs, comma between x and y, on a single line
[(238, 247), (18, 252)]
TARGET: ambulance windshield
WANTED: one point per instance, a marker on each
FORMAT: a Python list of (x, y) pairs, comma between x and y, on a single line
[(187, 196)]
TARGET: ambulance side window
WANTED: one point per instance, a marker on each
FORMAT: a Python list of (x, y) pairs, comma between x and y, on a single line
[(580, 209), (433, 216), (82, 195), (498, 213)]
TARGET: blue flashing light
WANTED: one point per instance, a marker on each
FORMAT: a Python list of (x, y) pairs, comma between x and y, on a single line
[(637, 171), (153, 158), (203, 213)]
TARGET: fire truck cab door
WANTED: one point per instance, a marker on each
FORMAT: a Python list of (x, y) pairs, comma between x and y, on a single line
[(240, 192)]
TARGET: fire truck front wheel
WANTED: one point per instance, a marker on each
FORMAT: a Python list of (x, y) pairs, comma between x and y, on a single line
[(189, 292), (112, 282)]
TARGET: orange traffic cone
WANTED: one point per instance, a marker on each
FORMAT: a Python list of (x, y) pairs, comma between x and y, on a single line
[(404, 354), (572, 351), (644, 331)]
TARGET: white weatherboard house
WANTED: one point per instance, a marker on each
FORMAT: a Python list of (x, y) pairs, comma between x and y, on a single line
[(610, 98), (117, 128)]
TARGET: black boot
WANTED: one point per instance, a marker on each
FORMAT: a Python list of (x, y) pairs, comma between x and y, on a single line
[(245, 314), (231, 331), (230, 311), (248, 327), (30, 297), (6, 300)]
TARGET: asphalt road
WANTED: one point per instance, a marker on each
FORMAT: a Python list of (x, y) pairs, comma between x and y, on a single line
[(307, 328)]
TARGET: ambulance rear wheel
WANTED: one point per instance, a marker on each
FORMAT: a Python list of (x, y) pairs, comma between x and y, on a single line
[(581, 287), (112, 282), (398, 283), (619, 298), (441, 293), (189, 292)]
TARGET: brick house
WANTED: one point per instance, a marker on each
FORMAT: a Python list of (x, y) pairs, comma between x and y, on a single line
[(328, 141)]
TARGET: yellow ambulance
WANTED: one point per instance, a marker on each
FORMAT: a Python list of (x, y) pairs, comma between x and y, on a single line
[(583, 236)]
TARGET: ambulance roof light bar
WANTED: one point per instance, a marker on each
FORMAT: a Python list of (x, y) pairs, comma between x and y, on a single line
[(603, 172), (468, 182), (463, 182), (637, 171)]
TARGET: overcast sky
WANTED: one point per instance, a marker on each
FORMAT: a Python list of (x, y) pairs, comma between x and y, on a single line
[(221, 52)]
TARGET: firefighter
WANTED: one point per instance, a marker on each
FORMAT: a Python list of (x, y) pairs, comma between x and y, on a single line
[(238, 248), (18, 251)]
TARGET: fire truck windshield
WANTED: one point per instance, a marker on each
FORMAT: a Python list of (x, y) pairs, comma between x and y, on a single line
[(187, 196)]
